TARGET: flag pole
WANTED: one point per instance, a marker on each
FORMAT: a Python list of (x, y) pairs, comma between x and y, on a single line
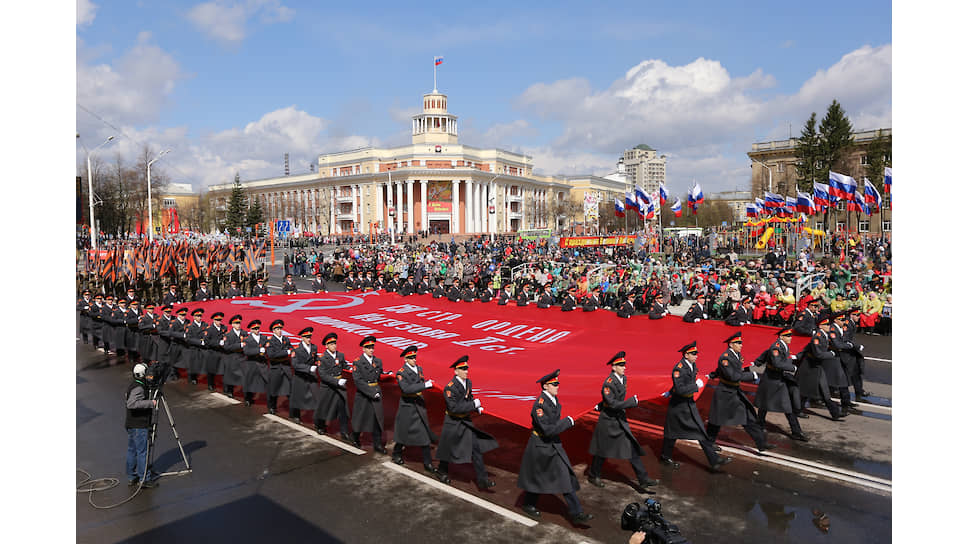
[(435, 74)]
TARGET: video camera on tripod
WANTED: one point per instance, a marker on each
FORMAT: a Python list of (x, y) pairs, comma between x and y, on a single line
[(649, 520)]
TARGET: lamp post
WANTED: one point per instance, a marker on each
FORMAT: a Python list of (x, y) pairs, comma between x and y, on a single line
[(90, 191), (151, 227), (768, 170)]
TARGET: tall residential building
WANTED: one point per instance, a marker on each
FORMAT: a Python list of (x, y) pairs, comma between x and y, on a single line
[(644, 167)]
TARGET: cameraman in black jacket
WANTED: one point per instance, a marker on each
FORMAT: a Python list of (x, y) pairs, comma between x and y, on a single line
[(137, 422)]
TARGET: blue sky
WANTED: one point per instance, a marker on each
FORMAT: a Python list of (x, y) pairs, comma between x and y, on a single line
[(232, 85)]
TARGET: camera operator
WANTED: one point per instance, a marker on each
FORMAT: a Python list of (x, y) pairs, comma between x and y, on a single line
[(137, 422)]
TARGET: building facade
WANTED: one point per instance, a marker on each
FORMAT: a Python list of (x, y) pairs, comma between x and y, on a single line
[(774, 169), (644, 167), (435, 184)]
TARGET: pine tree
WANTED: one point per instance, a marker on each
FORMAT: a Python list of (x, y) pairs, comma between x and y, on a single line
[(836, 139), (254, 215), (808, 154), (235, 215)]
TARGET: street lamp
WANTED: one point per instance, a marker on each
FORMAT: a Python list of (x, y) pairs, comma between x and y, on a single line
[(768, 170), (151, 228), (90, 191)]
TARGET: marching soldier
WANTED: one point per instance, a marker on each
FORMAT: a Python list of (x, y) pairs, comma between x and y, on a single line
[(453, 294), (440, 291), (233, 291), (468, 293), (368, 403), (805, 323), (203, 294), (504, 296), (256, 363), (194, 337), (179, 353), (260, 289), (658, 310), (212, 341), (288, 287), (697, 311), (233, 360), (628, 307), (172, 297), (488, 294), (393, 285), (132, 338), (412, 426), (682, 421), (593, 301), (742, 315), (773, 393), (546, 300), (730, 405), (423, 286), (524, 298), (107, 325), (570, 302), (350, 283), (150, 346), (545, 467), (834, 368), (460, 440), (854, 357), (408, 287), (84, 308), (332, 390), (279, 353), (97, 322), (304, 357), (163, 326), (612, 438), (318, 285), (118, 328), (810, 376)]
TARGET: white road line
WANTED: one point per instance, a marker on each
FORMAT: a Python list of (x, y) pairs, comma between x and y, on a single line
[(310, 432), (226, 398), (513, 516), (810, 467), (873, 407), (876, 359)]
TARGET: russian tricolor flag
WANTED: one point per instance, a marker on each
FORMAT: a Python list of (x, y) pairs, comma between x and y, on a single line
[(888, 175), (438, 61), (871, 196), (696, 195), (677, 208), (663, 195), (619, 208), (630, 202), (760, 205), (821, 195), (773, 200), (805, 203), (751, 210), (842, 186)]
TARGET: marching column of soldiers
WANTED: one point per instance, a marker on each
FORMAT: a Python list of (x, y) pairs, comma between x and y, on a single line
[(317, 382)]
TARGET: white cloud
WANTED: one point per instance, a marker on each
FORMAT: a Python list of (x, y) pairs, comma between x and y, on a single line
[(225, 21), (85, 12), (698, 114)]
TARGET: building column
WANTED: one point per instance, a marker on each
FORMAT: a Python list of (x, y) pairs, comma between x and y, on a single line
[(478, 224), (424, 221), (410, 207), (468, 206), (455, 206), (355, 192), (399, 210), (333, 225), (378, 210)]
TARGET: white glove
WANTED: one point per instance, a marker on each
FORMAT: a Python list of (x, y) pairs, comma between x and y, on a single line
[(754, 375), (312, 369), (699, 383), (793, 357), (636, 399), (262, 350), (477, 403), (861, 347), (221, 342), (480, 410), (342, 382), (704, 316), (428, 384), (376, 396), (666, 394), (203, 342), (572, 421)]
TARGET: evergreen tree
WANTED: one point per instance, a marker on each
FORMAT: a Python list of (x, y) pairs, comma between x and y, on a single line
[(878, 157), (254, 216), (808, 154), (835, 142), (235, 215)]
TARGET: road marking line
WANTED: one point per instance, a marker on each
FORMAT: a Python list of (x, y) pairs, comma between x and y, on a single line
[(310, 432), (873, 407), (226, 398), (513, 516), (876, 359)]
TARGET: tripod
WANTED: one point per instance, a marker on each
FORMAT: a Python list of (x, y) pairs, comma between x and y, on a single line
[(158, 395)]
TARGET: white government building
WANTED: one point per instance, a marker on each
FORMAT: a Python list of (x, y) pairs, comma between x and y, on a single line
[(435, 184)]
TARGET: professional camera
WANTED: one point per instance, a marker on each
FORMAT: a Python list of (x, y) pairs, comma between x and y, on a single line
[(157, 374), (649, 520)]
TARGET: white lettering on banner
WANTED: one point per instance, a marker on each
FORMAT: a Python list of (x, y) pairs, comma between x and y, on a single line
[(414, 328), (504, 328), (431, 315), (489, 344), (344, 326), (401, 342)]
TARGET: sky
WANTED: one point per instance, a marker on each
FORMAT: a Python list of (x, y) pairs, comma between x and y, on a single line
[(231, 86)]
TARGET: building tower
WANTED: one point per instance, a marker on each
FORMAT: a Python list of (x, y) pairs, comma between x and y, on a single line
[(434, 125)]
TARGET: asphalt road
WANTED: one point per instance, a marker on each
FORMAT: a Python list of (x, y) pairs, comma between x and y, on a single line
[(255, 478)]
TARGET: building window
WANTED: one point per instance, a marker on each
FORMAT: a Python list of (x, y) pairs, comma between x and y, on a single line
[(841, 227), (863, 226), (841, 205), (886, 226), (169, 203), (863, 160), (779, 167), (818, 226)]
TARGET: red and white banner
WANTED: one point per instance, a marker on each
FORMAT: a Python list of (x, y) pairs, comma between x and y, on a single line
[(510, 347)]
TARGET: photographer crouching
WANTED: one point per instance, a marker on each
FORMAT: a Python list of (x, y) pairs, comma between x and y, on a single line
[(137, 422)]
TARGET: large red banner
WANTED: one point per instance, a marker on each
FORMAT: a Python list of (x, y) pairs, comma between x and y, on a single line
[(510, 347)]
